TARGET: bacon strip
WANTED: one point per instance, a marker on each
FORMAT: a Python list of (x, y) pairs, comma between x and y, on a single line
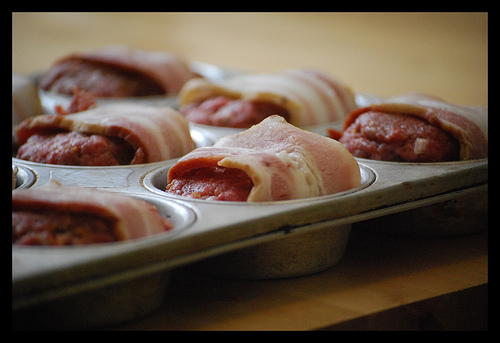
[(310, 96), (161, 133), (468, 124), (284, 162), (131, 218), (166, 69)]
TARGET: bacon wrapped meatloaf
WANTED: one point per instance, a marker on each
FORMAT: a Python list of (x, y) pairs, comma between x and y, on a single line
[(271, 161), (117, 71), (118, 134), (302, 96), (58, 215), (416, 128)]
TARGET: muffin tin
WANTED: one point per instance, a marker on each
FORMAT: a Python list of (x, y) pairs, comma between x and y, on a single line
[(107, 283)]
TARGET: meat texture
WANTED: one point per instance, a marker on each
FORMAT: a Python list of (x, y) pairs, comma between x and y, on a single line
[(106, 135), (57, 215), (117, 71), (416, 128), (279, 161), (302, 96)]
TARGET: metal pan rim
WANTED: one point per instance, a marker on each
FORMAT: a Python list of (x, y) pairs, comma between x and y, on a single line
[(149, 181), (393, 163), (24, 177)]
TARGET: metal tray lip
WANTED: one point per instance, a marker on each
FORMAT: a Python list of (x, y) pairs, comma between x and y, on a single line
[(28, 179), (19, 161), (155, 238), (366, 171), (447, 163)]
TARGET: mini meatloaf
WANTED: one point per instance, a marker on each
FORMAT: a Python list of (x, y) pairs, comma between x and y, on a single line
[(52, 214), (396, 137), (303, 97), (78, 149), (227, 112), (118, 134), (416, 128), (117, 71), (271, 161)]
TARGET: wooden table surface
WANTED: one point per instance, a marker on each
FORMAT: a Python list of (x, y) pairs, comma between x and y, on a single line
[(383, 281)]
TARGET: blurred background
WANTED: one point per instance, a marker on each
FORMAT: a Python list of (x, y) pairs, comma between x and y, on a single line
[(443, 54)]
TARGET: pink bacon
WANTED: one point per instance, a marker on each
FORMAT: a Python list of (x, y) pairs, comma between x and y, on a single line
[(167, 69), (310, 96), (132, 218), (284, 162), (161, 133), (468, 124)]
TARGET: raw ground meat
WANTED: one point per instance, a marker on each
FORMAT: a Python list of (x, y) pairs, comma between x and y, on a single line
[(397, 137), (227, 112), (32, 228), (77, 149), (213, 183), (98, 80)]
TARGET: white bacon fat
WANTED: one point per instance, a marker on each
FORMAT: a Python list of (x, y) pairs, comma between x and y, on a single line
[(132, 218), (161, 132), (310, 96), (284, 162)]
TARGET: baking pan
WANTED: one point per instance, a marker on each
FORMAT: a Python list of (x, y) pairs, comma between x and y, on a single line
[(229, 239), (40, 274)]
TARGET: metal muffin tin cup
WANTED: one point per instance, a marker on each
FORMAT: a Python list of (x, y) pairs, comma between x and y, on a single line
[(307, 250), (297, 252)]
